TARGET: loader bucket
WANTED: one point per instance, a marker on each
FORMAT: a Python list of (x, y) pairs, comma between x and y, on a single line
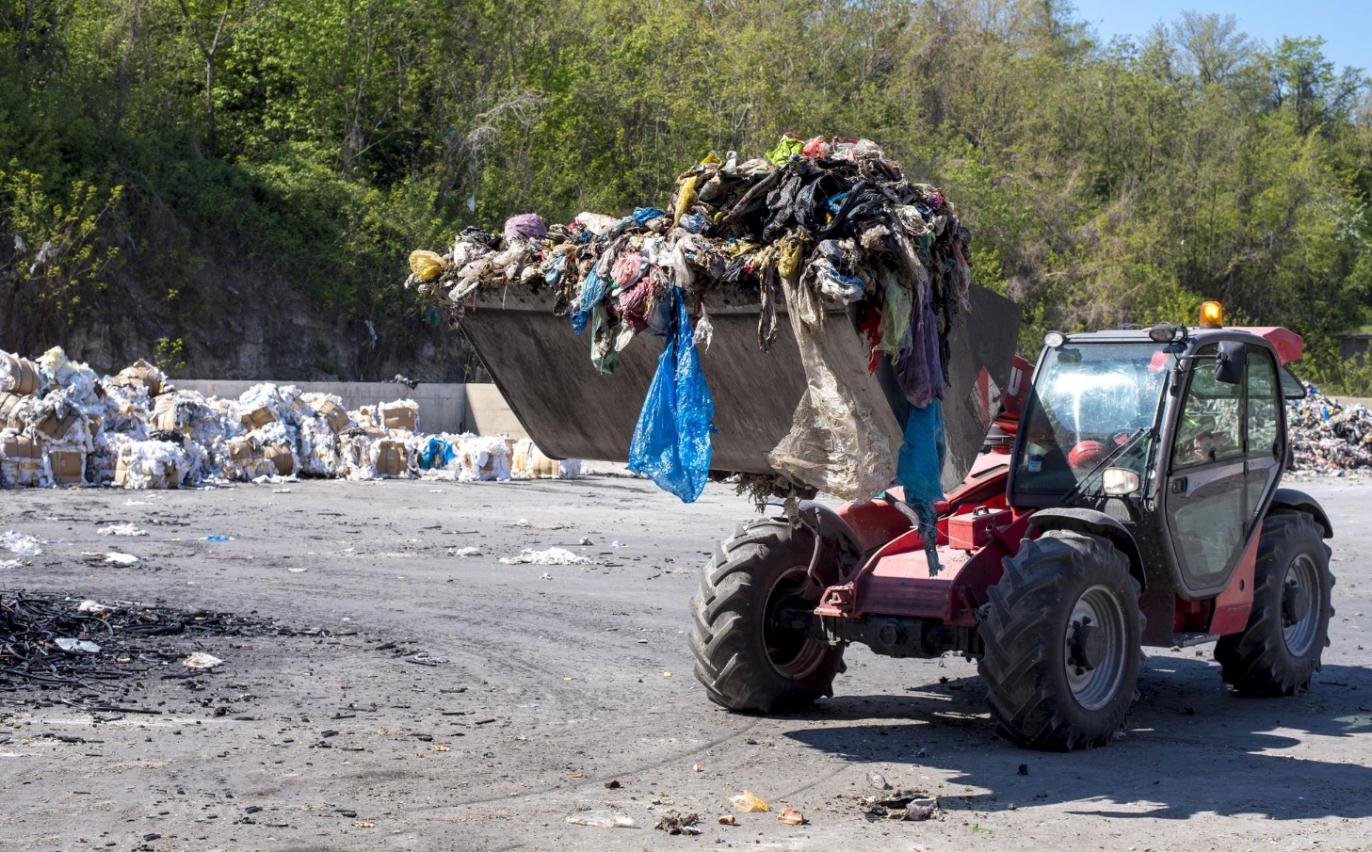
[(544, 370)]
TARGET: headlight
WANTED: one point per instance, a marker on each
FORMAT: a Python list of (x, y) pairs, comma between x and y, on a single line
[(1054, 339), (1118, 481), (1162, 333)]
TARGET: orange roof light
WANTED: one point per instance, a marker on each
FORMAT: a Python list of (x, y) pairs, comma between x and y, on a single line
[(1211, 315)]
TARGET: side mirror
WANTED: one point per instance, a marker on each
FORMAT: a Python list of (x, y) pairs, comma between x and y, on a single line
[(1229, 363)]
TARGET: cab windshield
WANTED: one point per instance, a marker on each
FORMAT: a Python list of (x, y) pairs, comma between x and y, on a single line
[(1090, 400)]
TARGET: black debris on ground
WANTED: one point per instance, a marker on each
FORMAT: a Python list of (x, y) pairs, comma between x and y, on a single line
[(61, 649)]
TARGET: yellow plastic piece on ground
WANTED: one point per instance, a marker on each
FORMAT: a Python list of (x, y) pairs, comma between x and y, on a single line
[(427, 265), (749, 803)]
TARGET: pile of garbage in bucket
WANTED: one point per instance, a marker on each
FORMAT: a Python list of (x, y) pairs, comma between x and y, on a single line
[(62, 424), (825, 223), (1327, 436)]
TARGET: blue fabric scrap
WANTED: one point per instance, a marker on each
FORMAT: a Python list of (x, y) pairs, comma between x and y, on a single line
[(919, 468)]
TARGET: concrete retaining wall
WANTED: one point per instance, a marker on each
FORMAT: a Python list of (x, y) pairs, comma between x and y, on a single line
[(453, 408), (489, 414)]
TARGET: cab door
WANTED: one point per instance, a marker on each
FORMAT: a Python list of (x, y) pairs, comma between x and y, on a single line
[(1264, 413), (1206, 496)]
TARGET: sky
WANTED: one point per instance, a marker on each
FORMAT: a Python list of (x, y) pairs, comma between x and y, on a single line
[(1345, 25)]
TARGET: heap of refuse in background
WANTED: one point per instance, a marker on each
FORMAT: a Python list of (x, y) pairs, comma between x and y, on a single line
[(62, 424), (1327, 436)]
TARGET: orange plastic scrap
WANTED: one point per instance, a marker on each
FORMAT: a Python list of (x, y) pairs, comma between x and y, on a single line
[(791, 816)]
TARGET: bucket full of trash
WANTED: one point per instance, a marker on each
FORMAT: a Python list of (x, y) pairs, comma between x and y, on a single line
[(781, 316)]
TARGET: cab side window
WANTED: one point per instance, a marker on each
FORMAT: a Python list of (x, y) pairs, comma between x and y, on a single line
[(1264, 393), (1211, 427)]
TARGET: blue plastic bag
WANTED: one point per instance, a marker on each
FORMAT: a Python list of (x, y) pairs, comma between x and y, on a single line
[(591, 293), (644, 215), (919, 468), (437, 453), (672, 440)]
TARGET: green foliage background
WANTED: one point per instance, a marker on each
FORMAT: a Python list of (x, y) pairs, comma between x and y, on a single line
[(322, 140)]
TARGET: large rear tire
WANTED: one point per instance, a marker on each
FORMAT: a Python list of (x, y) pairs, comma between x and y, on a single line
[(1062, 640), (1288, 627), (744, 657)]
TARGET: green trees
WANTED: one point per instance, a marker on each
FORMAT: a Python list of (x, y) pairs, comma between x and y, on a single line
[(313, 143)]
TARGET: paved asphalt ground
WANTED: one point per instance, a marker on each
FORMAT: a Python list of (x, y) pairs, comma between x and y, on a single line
[(551, 687)]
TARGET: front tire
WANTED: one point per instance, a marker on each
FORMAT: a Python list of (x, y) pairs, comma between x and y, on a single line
[(1288, 626), (1062, 639), (745, 658)]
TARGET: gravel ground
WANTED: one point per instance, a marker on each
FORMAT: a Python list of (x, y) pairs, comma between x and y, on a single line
[(554, 681)]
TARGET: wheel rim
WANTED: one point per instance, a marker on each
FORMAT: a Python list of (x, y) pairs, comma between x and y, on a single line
[(1301, 604), (1094, 648), (793, 654)]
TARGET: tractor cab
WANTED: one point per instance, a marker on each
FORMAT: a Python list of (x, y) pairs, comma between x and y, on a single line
[(1179, 434)]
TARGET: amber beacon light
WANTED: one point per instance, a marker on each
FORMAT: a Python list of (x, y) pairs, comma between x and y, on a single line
[(1211, 315)]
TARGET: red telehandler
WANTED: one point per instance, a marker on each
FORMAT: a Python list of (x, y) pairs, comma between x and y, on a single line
[(1128, 494)]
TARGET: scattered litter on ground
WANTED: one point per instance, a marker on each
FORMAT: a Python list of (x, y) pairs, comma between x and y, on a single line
[(20, 544), (134, 641), (907, 805), (525, 523), (297, 570), (601, 818), (677, 823), (120, 558), (747, 802), (77, 646), (551, 556), (728, 819), (791, 816), (122, 529), (201, 660), (466, 552), (218, 538), (10, 563), (616, 543), (877, 780)]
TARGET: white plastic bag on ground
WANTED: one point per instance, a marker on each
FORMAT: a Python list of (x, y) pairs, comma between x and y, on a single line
[(551, 556)]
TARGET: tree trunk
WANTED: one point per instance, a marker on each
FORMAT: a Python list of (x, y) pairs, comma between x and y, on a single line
[(209, 100), (24, 30)]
